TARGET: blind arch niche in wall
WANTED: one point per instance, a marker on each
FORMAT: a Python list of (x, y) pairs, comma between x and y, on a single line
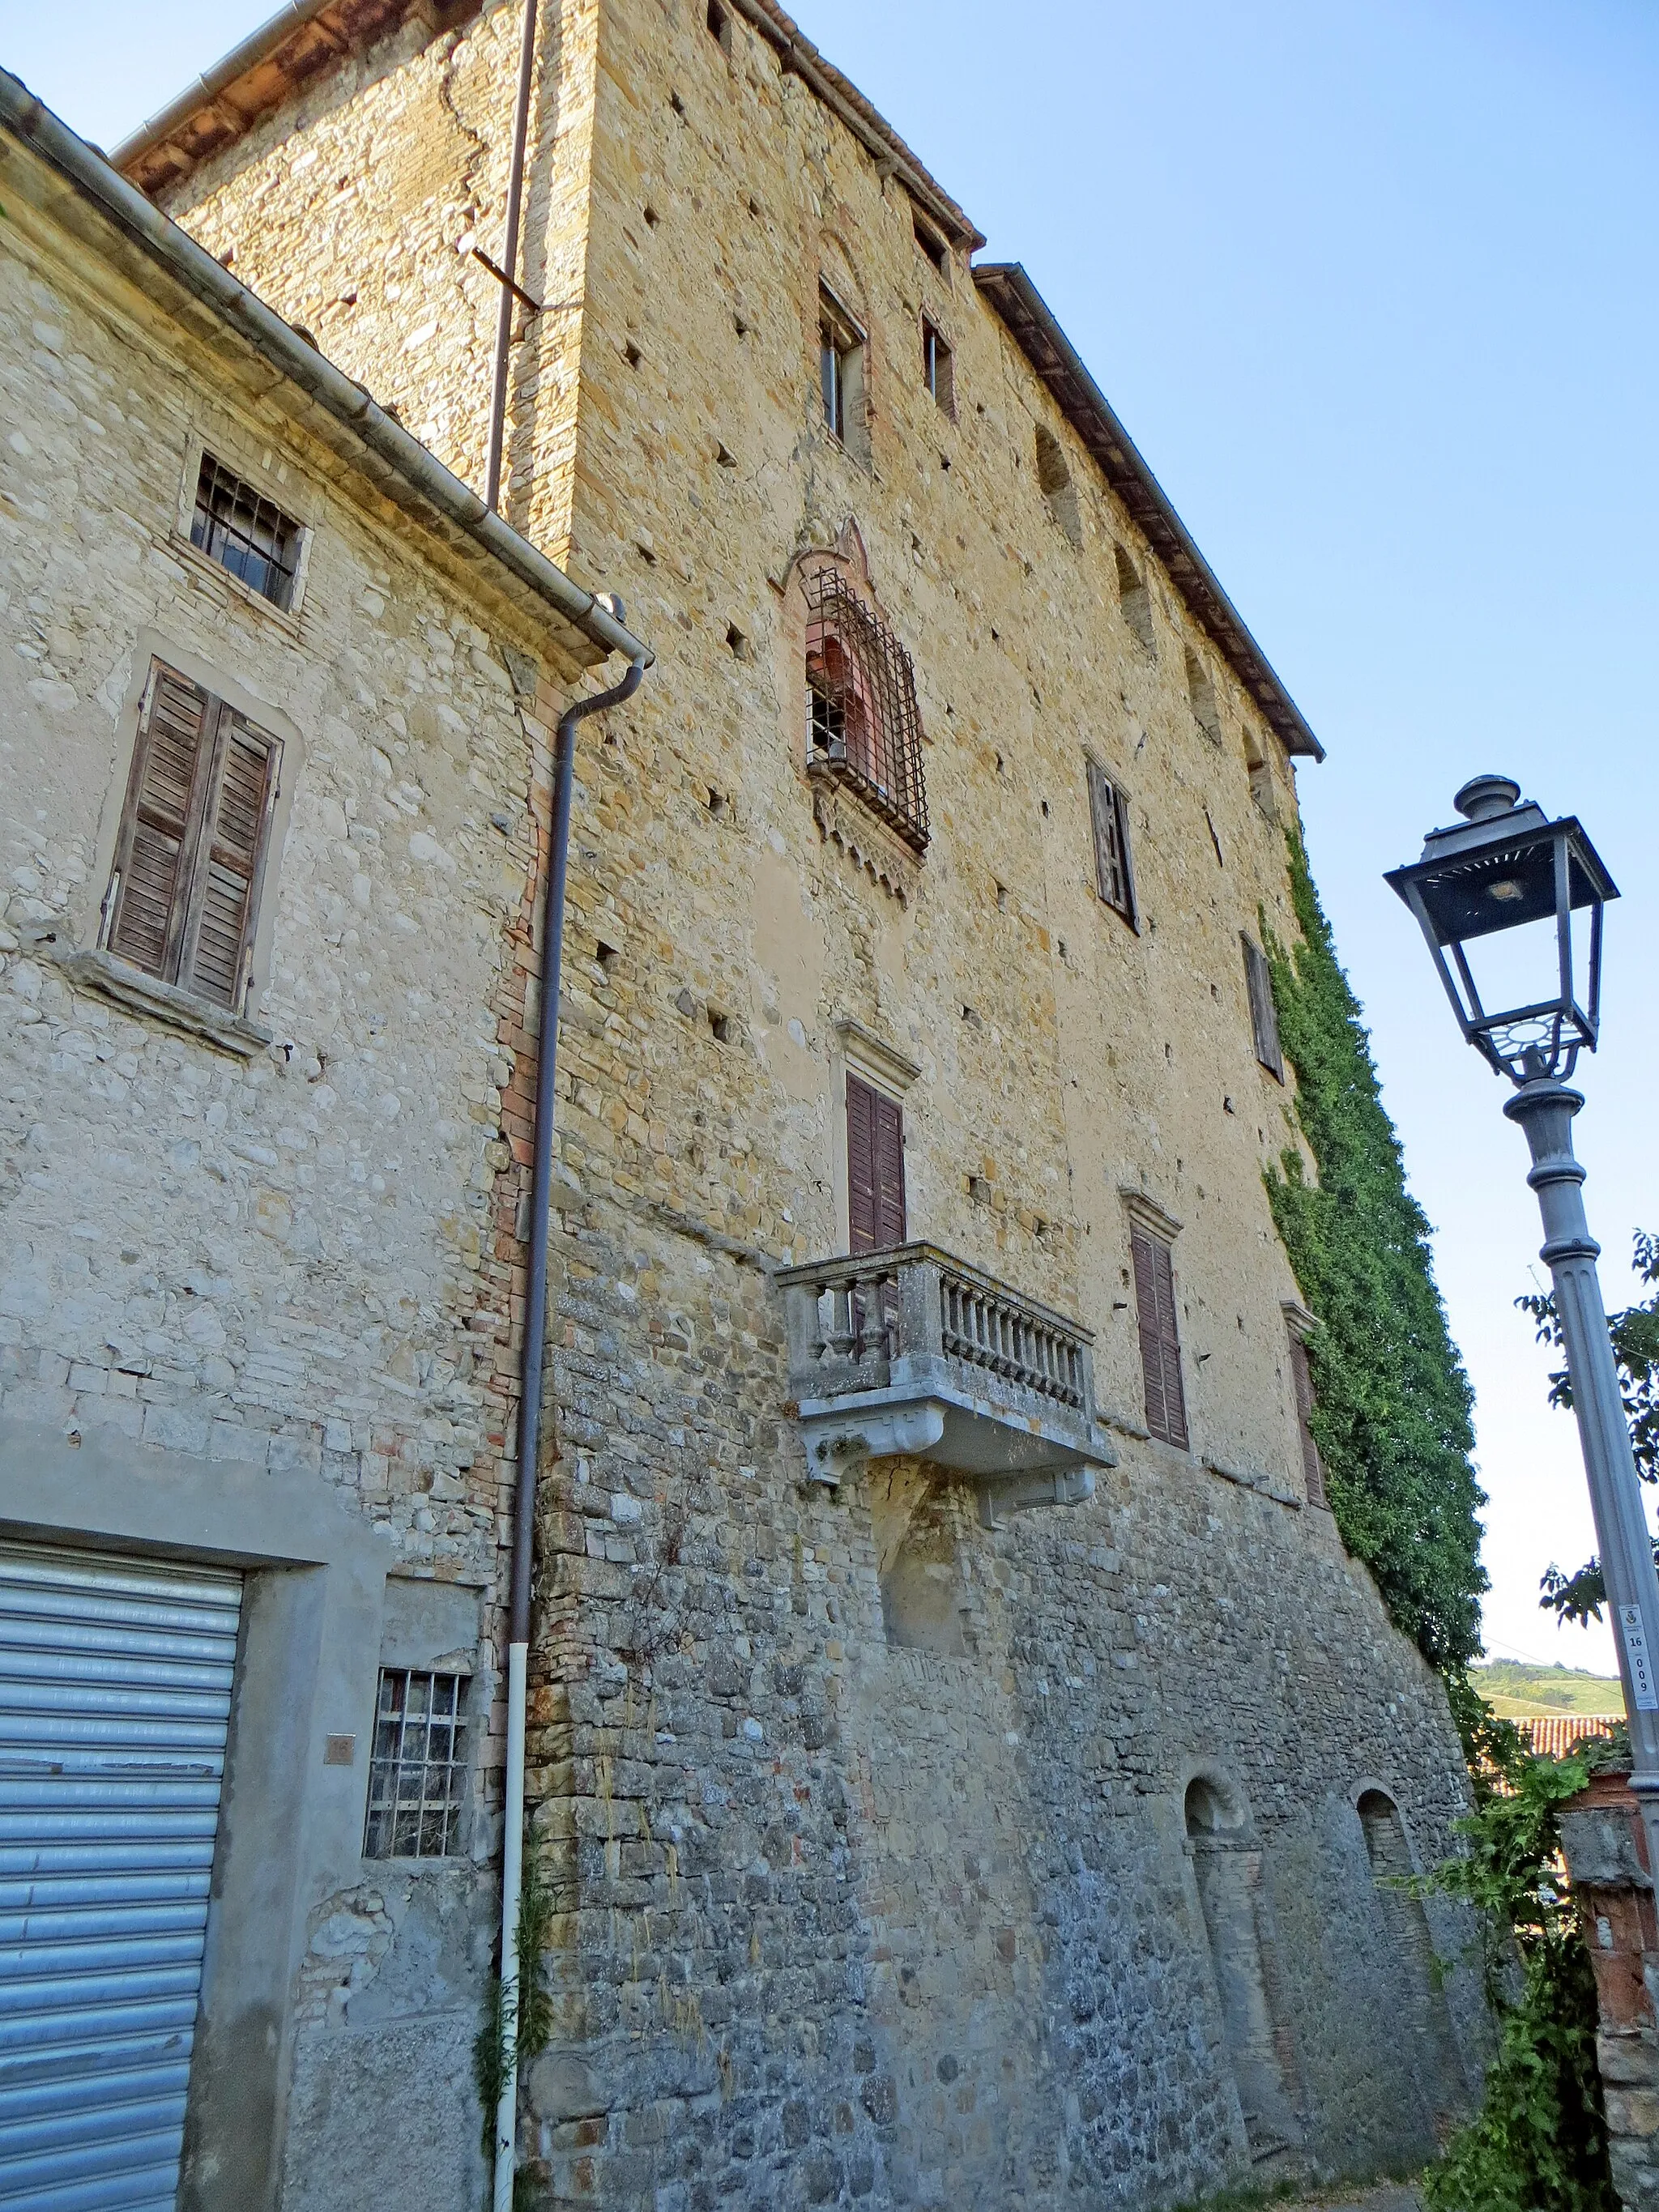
[(1227, 1865)]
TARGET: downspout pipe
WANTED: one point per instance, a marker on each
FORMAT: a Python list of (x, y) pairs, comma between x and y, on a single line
[(498, 372), (529, 1411)]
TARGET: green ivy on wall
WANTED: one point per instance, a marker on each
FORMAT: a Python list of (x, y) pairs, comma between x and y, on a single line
[(1392, 1421)]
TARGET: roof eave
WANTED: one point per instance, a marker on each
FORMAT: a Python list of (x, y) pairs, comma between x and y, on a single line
[(423, 476), (1033, 328)]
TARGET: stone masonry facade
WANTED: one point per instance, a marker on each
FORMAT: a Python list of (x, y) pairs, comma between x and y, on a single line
[(902, 1853), (276, 1254)]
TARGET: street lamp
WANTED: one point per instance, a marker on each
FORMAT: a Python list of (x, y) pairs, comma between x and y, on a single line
[(1504, 869)]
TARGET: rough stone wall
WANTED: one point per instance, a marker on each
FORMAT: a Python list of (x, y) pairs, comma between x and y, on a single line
[(354, 212), (299, 1257), (846, 1917)]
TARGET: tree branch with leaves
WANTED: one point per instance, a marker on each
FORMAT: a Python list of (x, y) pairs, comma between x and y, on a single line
[(1634, 1334)]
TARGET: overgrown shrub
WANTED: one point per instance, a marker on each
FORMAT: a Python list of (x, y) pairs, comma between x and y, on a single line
[(1538, 2142)]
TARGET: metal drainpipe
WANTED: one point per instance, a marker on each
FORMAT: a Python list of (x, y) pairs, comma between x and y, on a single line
[(510, 259), (529, 1414)]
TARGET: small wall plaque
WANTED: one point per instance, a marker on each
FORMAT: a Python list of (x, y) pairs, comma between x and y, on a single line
[(339, 1750)]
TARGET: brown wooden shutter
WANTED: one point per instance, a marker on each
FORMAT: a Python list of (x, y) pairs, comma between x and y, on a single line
[(862, 1211), (241, 789), (192, 839), (1264, 1015), (1160, 1337), (875, 1168), (158, 822), (1113, 876), (889, 1169), (1313, 1469)]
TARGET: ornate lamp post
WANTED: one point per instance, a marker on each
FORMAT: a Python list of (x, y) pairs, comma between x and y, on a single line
[(1502, 867)]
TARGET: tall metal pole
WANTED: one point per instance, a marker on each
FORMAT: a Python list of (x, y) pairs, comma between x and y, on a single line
[(1544, 1107)]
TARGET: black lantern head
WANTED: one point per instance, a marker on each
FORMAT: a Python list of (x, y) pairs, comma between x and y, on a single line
[(1503, 867)]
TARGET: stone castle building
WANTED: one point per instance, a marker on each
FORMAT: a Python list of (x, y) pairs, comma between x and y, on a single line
[(962, 1759)]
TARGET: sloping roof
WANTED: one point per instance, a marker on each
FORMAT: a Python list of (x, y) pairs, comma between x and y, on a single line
[(1050, 352), (872, 129), (272, 63), (307, 37)]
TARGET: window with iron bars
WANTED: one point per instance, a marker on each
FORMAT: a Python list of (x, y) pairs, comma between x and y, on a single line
[(863, 723), (417, 1772), (245, 532)]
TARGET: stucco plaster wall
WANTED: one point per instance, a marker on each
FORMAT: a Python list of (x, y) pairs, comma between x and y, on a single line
[(264, 1290)]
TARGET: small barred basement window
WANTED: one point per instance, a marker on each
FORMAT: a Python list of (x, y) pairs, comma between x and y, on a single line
[(246, 533), (417, 1775), (183, 899), (863, 725)]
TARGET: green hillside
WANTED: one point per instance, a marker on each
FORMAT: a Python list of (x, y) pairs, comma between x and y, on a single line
[(1513, 1689)]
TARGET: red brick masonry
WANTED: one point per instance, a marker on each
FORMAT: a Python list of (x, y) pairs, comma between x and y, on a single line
[(1607, 1857)]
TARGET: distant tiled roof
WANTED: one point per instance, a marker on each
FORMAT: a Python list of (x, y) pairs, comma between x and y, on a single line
[(1050, 352), (1554, 1735)]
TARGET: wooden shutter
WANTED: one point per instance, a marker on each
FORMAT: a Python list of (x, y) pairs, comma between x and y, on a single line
[(875, 1168), (192, 839), (158, 822), (890, 1170), (1160, 1338), (1312, 1468), (241, 788), (1114, 876), (1264, 1016)]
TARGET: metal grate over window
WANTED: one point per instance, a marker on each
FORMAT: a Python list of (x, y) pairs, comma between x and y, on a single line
[(244, 533), (863, 723), (417, 1775)]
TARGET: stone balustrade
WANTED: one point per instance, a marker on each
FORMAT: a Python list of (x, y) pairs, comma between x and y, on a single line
[(912, 1351)]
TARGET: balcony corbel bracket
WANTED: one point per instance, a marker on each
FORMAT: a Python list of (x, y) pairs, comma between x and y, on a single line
[(839, 1443), (1036, 1487)]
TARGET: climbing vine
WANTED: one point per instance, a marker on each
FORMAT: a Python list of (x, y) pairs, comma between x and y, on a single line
[(1393, 1418)]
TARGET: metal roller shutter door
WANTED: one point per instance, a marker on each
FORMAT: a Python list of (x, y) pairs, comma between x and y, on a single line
[(115, 1683)]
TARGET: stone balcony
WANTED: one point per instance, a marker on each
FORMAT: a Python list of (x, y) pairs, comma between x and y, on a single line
[(911, 1351)]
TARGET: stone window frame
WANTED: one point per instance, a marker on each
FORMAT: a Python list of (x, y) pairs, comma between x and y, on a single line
[(1143, 1215), (230, 446), (837, 291), (860, 1052), (942, 391)]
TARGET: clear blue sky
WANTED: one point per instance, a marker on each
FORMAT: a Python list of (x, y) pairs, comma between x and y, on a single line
[(1373, 285)]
